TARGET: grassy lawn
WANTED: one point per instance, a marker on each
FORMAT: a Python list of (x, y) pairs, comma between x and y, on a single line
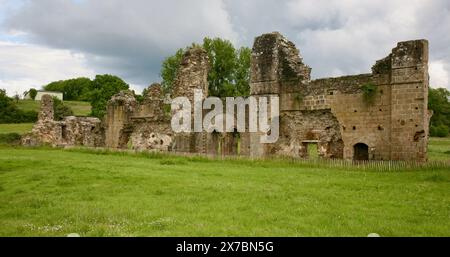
[(53, 192), (79, 108), (439, 148), (20, 128)]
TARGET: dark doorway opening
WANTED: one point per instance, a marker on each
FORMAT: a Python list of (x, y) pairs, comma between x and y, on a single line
[(361, 152), (64, 132)]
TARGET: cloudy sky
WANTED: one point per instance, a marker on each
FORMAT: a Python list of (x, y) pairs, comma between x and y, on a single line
[(47, 40)]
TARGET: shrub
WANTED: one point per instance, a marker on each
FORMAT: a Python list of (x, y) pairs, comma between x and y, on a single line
[(60, 110), (10, 138), (432, 131), (10, 113), (441, 131)]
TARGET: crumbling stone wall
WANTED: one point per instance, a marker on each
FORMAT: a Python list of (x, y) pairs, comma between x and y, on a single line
[(409, 100), (71, 131), (300, 129), (120, 108), (394, 125), (151, 122), (192, 75), (333, 113)]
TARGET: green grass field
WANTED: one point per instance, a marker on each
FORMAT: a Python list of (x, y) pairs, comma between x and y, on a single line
[(439, 148), (54, 192), (20, 128), (79, 108)]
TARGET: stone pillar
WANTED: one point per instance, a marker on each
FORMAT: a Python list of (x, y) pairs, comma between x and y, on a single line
[(277, 69), (46, 112), (119, 110), (409, 101), (192, 75)]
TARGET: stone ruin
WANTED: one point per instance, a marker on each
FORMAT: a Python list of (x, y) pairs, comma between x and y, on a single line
[(86, 131), (332, 113)]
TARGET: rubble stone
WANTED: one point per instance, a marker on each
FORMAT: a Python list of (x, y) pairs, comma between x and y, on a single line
[(329, 112)]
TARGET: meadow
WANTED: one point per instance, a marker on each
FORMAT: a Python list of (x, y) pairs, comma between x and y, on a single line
[(19, 128), (54, 192), (79, 108)]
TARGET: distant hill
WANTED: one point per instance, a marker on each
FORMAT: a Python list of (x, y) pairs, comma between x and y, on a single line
[(79, 108)]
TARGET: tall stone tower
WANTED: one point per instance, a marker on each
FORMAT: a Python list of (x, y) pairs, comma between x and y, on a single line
[(276, 68), (192, 75), (409, 100)]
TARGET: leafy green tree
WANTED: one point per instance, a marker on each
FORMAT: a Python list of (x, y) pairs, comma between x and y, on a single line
[(223, 59), (33, 92), (229, 73), (242, 72), (169, 70), (438, 102), (73, 89), (10, 113), (60, 110), (103, 87)]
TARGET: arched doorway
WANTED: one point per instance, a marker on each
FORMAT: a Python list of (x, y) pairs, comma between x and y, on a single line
[(360, 152)]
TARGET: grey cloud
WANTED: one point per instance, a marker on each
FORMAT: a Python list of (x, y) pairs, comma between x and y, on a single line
[(347, 37), (130, 38)]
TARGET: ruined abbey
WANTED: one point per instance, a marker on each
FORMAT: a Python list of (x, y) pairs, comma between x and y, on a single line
[(380, 115)]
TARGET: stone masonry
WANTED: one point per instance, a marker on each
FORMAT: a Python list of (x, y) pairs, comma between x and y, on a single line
[(380, 115), (332, 112), (72, 131)]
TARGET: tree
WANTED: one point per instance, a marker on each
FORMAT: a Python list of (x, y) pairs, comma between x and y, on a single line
[(16, 98), (439, 104), (242, 72), (33, 92), (73, 89), (60, 110), (222, 59), (169, 70), (102, 89), (10, 113), (229, 74)]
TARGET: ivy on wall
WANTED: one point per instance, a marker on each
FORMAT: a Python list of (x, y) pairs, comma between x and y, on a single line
[(369, 93)]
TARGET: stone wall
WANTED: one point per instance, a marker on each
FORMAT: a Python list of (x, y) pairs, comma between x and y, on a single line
[(393, 124), (71, 131), (151, 122), (409, 100), (336, 114), (120, 108), (192, 75)]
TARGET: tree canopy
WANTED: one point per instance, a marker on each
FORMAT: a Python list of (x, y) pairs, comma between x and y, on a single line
[(33, 92), (103, 87), (10, 113), (97, 91), (76, 89), (229, 74), (438, 102)]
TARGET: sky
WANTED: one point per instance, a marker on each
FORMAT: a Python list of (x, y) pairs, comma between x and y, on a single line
[(47, 40)]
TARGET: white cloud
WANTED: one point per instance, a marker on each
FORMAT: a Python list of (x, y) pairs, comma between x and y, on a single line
[(439, 75), (23, 66)]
